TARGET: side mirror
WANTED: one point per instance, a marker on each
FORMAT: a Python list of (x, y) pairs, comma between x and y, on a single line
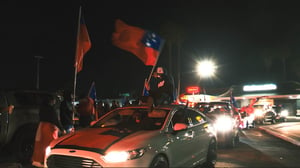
[(180, 126)]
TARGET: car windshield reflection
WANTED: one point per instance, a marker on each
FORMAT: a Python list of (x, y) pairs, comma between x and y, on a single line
[(134, 119)]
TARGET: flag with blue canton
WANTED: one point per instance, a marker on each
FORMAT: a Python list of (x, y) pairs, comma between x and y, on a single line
[(92, 92), (146, 45), (152, 40)]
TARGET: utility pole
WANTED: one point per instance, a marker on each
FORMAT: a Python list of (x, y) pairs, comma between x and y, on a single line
[(38, 58)]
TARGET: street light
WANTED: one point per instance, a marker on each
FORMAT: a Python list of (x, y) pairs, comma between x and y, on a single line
[(206, 68), (38, 58)]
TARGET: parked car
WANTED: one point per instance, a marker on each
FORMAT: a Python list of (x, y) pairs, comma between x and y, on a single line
[(226, 124), (19, 117), (264, 115), (248, 120), (139, 136), (281, 113)]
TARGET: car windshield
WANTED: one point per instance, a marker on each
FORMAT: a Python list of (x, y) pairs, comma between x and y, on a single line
[(134, 119), (214, 108)]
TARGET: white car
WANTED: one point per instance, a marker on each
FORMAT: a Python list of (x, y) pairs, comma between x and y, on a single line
[(225, 123), (139, 136)]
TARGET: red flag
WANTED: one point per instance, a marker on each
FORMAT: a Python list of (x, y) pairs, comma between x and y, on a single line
[(146, 45), (83, 44)]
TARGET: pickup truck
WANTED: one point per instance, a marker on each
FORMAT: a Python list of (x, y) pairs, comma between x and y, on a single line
[(19, 118)]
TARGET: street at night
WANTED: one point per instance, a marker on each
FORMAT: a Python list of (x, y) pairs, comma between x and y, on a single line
[(257, 148), (210, 84)]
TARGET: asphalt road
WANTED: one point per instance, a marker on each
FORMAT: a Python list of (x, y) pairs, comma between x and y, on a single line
[(258, 149)]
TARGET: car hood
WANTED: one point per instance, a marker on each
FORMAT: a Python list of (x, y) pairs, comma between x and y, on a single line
[(100, 139)]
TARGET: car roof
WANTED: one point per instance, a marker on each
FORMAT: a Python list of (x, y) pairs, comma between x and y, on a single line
[(165, 106), (214, 102)]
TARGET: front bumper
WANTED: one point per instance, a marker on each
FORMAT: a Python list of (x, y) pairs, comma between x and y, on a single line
[(80, 158)]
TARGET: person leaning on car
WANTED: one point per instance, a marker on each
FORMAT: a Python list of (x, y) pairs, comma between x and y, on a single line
[(86, 111), (48, 130), (66, 112)]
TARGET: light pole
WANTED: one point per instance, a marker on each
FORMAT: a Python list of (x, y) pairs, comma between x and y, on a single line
[(38, 58)]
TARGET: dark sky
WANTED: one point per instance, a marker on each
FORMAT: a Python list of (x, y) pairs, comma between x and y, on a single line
[(243, 37)]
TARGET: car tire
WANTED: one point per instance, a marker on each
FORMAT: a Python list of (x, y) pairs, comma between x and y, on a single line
[(159, 162), (253, 124), (211, 159), (231, 142), (22, 145), (247, 125)]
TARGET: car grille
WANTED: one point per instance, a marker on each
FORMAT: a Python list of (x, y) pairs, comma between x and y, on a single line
[(61, 161)]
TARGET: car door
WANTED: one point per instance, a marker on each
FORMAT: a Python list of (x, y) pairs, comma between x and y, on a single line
[(181, 145), (200, 141)]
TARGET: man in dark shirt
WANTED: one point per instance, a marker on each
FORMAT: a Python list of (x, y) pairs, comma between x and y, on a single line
[(66, 112), (161, 87)]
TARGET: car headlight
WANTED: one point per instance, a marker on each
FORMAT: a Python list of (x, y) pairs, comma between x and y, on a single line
[(284, 113), (224, 123), (122, 156), (258, 112), (47, 151)]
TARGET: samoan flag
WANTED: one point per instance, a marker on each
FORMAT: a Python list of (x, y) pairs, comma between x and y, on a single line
[(92, 92), (83, 44), (146, 45)]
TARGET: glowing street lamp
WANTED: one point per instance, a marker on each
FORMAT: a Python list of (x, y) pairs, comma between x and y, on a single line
[(206, 68)]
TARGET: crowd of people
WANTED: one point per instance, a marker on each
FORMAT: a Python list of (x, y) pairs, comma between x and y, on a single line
[(57, 116)]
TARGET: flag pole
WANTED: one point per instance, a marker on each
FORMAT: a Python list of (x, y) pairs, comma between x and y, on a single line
[(76, 64), (150, 75), (147, 80)]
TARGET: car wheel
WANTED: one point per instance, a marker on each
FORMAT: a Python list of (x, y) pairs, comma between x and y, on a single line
[(237, 139), (253, 124), (211, 155), (23, 144), (159, 162), (247, 125)]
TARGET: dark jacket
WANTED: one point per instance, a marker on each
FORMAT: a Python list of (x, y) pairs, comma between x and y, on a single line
[(48, 114), (66, 113)]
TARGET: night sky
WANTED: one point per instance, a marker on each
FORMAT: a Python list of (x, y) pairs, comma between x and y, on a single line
[(251, 41)]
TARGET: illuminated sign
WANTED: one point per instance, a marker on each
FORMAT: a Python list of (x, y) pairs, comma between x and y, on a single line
[(193, 89), (264, 87)]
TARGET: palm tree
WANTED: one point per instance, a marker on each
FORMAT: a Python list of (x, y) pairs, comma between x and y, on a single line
[(174, 35)]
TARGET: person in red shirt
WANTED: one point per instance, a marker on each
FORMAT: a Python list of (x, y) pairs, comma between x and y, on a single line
[(49, 129), (86, 111)]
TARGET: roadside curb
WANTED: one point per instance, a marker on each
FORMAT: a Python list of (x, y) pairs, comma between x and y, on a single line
[(281, 136)]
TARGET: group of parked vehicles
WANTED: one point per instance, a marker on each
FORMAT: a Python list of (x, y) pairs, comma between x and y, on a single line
[(132, 136), (270, 114)]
